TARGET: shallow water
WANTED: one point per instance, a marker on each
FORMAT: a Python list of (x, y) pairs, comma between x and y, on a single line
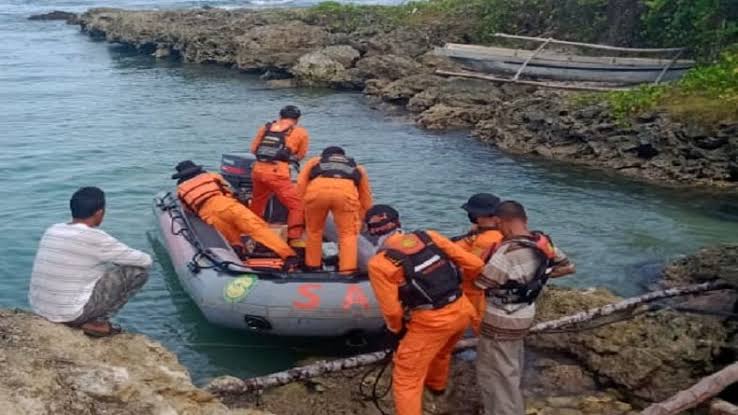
[(76, 112)]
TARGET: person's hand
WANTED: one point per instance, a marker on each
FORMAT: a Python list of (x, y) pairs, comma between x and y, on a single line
[(392, 339)]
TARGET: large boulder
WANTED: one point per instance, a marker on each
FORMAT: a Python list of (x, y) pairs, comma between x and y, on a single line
[(390, 67), (278, 46), (48, 368), (326, 67), (70, 18), (648, 357), (442, 116), (708, 264), (401, 90), (315, 68), (343, 54)]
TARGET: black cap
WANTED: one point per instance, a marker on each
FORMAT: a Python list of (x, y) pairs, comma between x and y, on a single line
[(186, 168), (481, 204), (329, 151), (291, 112), (382, 219)]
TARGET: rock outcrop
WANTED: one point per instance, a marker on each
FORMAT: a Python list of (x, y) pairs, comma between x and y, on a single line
[(70, 18), (395, 63), (649, 357), (48, 368)]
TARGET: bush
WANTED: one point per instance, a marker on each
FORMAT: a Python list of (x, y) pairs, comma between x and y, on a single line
[(706, 94), (705, 26)]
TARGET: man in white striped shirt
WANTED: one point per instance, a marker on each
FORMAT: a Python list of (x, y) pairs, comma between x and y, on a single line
[(81, 275)]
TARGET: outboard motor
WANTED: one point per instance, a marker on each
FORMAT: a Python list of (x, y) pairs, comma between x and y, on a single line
[(236, 169)]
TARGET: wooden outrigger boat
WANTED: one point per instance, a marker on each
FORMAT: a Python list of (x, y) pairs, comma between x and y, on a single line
[(540, 63)]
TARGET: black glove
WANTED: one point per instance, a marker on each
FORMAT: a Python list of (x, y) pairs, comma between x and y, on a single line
[(392, 339), (292, 263)]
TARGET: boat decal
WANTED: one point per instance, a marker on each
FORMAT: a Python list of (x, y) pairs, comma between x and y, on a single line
[(355, 296), (239, 288), (308, 293)]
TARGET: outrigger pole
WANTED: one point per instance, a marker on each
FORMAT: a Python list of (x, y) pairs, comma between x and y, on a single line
[(232, 385)]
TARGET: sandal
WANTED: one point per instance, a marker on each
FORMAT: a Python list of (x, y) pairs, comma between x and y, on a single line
[(100, 329)]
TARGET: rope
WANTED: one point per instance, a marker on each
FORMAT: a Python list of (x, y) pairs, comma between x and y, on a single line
[(374, 395)]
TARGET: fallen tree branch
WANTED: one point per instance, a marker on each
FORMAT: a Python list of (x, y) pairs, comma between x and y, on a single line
[(701, 391), (231, 385)]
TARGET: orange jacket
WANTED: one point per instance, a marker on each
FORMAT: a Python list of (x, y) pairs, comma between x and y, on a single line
[(196, 191), (386, 277), (481, 244), (363, 190)]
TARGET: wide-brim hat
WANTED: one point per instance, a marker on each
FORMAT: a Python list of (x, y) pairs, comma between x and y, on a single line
[(186, 168), (482, 204)]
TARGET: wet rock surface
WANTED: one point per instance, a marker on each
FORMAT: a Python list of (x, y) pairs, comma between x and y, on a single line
[(396, 65), (70, 18), (48, 368), (648, 357)]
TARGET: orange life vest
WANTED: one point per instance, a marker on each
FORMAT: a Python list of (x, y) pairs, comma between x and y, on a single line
[(432, 281), (193, 193)]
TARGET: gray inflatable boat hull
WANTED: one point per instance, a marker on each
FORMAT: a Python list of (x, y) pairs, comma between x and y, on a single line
[(294, 304)]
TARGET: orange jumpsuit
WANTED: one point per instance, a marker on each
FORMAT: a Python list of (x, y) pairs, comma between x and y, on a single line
[(273, 178), (482, 245), (230, 217), (424, 354), (346, 200)]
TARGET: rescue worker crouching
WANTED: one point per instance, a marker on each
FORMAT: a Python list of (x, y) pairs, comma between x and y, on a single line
[(334, 183), (419, 273), (513, 278), (276, 145), (208, 195), (481, 240)]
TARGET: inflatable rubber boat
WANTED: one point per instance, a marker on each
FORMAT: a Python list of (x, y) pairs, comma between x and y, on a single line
[(231, 294)]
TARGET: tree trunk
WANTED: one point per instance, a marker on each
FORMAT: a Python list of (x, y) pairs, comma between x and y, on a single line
[(703, 390), (232, 385)]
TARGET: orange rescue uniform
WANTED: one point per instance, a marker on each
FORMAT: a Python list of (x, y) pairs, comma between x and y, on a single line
[(423, 357), (346, 200), (207, 195), (481, 244), (273, 177)]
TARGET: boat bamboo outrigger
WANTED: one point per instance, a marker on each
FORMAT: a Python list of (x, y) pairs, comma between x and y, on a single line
[(231, 294), (485, 61)]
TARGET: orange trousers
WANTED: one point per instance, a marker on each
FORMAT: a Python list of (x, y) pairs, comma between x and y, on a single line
[(274, 179), (232, 219), (424, 355), (341, 199), (476, 297)]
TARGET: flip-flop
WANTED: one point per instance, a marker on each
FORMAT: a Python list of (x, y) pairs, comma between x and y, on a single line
[(109, 330)]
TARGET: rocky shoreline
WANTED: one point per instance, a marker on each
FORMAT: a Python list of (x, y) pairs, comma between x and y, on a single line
[(395, 66), (614, 369)]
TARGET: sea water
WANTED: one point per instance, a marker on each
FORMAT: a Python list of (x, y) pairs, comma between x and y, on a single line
[(76, 112)]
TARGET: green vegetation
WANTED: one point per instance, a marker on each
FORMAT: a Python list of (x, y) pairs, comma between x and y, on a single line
[(709, 28), (707, 94)]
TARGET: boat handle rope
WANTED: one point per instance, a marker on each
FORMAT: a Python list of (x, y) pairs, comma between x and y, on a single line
[(169, 204)]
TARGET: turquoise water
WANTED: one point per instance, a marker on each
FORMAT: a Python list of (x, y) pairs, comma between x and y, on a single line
[(76, 112)]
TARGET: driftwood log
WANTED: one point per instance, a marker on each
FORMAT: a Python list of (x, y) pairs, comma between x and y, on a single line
[(232, 385), (703, 390)]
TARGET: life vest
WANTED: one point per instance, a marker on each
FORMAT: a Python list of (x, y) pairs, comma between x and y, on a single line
[(431, 281), (193, 193), (516, 292), (336, 166), (273, 145), (471, 238)]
